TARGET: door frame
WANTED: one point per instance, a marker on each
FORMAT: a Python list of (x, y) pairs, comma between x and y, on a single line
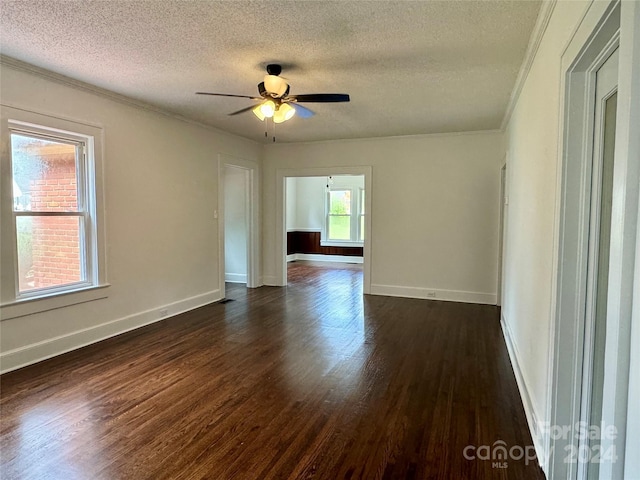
[(501, 234), (597, 36), (281, 234), (629, 84), (252, 174), (595, 195)]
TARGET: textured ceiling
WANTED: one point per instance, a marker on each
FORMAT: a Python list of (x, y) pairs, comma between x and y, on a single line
[(411, 67)]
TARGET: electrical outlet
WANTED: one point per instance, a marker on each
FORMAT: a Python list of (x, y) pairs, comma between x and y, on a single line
[(164, 312), (431, 294)]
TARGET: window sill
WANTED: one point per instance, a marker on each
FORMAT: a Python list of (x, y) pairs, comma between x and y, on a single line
[(30, 306), (336, 243)]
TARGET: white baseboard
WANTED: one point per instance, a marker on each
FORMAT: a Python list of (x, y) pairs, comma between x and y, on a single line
[(315, 257), (533, 419), (434, 294), (235, 277), (271, 281), (36, 352)]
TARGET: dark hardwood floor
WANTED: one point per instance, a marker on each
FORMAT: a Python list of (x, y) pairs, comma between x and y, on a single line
[(311, 381)]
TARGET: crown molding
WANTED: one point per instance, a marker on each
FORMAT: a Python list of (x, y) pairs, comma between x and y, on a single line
[(103, 92), (390, 137), (532, 49)]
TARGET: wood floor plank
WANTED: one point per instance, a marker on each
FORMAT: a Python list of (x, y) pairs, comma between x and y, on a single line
[(310, 381)]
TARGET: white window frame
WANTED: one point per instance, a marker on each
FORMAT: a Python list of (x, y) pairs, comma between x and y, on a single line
[(361, 212), (356, 214), (88, 138)]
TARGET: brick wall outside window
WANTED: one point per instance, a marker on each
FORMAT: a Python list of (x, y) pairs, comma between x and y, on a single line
[(56, 247)]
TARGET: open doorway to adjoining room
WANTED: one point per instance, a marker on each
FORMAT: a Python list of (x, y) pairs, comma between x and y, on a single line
[(326, 219), (325, 229)]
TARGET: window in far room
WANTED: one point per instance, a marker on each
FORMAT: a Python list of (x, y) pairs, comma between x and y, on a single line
[(361, 217), (344, 225)]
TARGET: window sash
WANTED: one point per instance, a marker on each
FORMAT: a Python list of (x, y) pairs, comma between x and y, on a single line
[(80, 162), (329, 232), (338, 190), (35, 213), (87, 241), (361, 212), (357, 212)]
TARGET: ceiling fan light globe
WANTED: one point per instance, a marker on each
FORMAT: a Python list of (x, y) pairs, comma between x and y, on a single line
[(258, 112), (268, 108), (289, 115), (275, 85), (283, 113)]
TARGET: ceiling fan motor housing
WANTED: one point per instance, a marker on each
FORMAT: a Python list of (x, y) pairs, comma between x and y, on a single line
[(274, 69), (277, 93)]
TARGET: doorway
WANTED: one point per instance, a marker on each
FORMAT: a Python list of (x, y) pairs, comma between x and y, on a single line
[(238, 221), (281, 225), (324, 220), (599, 257)]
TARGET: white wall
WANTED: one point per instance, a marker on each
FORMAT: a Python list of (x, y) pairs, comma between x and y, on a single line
[(161, 190), (310, 192), (235, 224), (533, 166), (435, 209), (292, 200)]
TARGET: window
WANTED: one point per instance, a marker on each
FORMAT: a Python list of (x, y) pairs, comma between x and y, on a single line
[(361, 215), (49, 211), (49, 207), (339, 218), (345, 217)]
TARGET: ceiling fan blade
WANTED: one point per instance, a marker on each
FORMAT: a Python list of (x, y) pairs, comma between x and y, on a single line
[(302, 112), (321, 97), (242, 110), (228, 95)]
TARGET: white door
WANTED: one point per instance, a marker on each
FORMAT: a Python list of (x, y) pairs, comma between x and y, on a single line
[(591, 452)]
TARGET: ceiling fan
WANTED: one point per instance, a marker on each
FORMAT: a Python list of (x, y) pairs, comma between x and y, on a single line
[(275, 101)]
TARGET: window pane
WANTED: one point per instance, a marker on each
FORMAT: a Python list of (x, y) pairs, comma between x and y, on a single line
[(340, 202), (361, 201), (44, 174), (48, 252), (339, 228), (361, 227)]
